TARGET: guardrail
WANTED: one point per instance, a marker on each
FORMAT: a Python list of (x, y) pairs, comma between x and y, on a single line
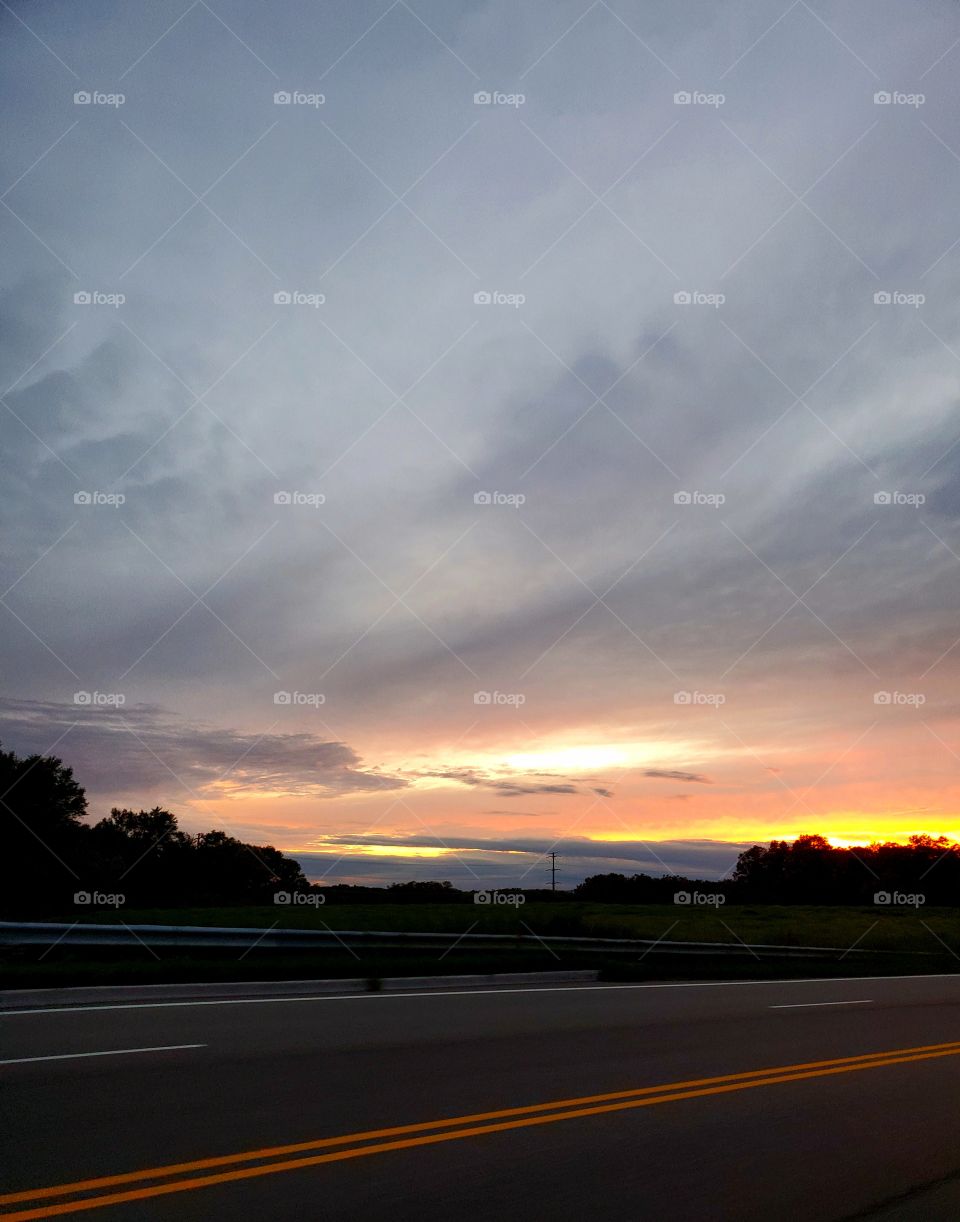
[(48, 933)]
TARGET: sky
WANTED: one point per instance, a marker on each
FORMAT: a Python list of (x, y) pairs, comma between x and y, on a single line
[(441, 432)]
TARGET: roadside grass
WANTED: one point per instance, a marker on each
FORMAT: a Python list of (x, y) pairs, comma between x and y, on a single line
[(934, 930)]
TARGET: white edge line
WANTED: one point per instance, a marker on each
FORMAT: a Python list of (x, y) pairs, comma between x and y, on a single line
[(385, 996), (112, 1052), (806, 1005)]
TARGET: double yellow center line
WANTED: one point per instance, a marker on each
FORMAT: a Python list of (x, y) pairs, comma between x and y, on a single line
[(183, 1177)]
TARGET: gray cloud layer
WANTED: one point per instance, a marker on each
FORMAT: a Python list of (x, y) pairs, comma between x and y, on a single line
[(144, 750), (599, 399), (515, 861)]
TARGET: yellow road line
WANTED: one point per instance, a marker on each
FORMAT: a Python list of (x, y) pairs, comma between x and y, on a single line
[(202, 1164), (520, 1118)]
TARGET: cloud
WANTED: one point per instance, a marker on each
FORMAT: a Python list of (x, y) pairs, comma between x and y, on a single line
[(515, 814), (508, 788), (669, 774), (514, 860), (146, 749), (516, 789), (798, 399)]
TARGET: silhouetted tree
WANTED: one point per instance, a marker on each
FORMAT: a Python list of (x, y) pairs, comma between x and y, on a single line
[(812, 871), (40, 830)]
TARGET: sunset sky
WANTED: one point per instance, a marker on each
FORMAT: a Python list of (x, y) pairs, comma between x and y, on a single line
[(536, 429)]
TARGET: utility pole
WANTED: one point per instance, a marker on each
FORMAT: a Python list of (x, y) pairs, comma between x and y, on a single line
[(553, 871)]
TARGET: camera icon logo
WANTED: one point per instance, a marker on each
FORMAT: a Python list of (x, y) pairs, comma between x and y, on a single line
[(482, 498), (282, 98), (682, 98), (81, 897), (82, 498), (282, 498), (682, 298), (282, 298), (281, 897), (882, 298), (682, 498), (881, 897), (482, 298), (681, 897), (882, 498), (482, 698), (482, 897), (682, 698), (482, 98), (282, 698), (81, 298), (882, 98), (82, 698), (882, 698), (82, 98)]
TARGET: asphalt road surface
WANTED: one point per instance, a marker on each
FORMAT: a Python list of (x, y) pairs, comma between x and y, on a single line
[(747, 1101)]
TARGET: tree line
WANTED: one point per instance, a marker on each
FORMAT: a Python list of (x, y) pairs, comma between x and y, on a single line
[(809, 870), (53, 860)]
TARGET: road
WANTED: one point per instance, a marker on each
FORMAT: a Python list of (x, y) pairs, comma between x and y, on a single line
[(742, 1101)]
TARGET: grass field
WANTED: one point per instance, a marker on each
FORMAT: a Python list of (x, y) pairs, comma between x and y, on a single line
[(927, 940), (869, 928)]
